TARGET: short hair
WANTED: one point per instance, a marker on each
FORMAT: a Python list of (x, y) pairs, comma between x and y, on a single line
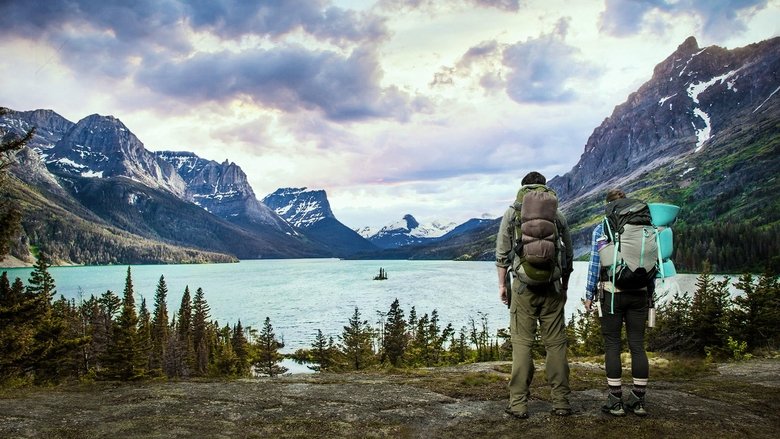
[(534, 177), (615, 194)]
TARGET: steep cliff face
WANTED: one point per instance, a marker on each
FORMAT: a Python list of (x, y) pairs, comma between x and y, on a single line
[(309, 211), (91, 193), (222, 189), (102, 146), (694, 96), (49, 127)]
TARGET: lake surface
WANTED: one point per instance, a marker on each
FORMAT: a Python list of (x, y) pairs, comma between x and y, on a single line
[(301, 296)]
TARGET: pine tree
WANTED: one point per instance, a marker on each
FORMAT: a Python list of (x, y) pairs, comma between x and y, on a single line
[(54, 342), (160, 328), (708, 309), (18, 328), (357, 343), (126, 360), (200, 332), (436, 339), (225, 358), (41, 283), (672, 331), (395, 339), (186, 361), (322, 353), (145, 335), (755, 317), (241, 349), (268, 355)]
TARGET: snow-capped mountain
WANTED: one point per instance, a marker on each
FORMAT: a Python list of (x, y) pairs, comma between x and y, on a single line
[(309, 210), (101, 174), (407, 231), (222, 189), (300, 207), (102, 146)]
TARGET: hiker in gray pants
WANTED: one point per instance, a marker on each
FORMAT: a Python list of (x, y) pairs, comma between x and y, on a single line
[(531, 305)]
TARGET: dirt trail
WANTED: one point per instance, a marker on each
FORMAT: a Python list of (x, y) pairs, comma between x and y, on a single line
[(738, 400)]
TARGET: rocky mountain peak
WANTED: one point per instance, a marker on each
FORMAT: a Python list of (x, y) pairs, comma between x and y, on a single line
[(102, 147), (299, 206), (692, 96), (411, 222), (49, 127)]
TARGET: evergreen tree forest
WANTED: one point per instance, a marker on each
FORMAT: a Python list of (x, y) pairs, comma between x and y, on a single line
[(398, 342), (727, 247), (114, 338)]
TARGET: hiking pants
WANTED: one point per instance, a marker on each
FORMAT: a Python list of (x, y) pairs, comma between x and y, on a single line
[(630, 307), (528, 308)]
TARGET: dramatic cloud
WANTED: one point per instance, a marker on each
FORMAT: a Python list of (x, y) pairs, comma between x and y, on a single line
[(430, 5), (289, 79), (718, 18), (541, 69), (231, 19), (429, 107)]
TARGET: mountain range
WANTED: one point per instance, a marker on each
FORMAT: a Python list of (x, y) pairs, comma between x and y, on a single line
[(100, 177), (702, 133)]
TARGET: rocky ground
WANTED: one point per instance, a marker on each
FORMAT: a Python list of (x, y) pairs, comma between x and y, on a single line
[(685, 400)]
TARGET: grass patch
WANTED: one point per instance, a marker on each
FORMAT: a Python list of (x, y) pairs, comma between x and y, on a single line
[(682, 368), (481, 379)]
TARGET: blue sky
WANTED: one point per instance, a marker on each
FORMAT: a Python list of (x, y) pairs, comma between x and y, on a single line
[(431, 107)]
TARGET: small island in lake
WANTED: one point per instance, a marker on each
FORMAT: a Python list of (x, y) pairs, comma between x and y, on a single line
[(382, 274)]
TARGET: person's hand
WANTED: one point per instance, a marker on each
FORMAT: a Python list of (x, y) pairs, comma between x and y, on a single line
[(502, 293), (588, 305)]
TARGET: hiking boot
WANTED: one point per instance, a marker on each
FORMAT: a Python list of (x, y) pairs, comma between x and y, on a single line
[(561, 412), (516, 414), (614, 405), (636, 404)]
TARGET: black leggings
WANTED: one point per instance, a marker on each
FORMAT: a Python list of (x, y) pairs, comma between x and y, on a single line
[(631, 308)]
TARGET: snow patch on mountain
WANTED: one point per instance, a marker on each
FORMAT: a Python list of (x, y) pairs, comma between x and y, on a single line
[(299, 206)]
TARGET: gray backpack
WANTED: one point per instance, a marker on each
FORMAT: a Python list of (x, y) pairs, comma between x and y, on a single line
[(629, 261)]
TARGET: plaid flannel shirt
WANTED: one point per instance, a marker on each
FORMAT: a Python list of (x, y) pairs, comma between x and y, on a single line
[(595, 263)]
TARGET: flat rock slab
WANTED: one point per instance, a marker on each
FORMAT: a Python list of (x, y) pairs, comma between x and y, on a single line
[(380, 405)]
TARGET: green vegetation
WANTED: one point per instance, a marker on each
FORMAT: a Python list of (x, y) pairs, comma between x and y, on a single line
[(109, 337), (419, 341), (10, 215)]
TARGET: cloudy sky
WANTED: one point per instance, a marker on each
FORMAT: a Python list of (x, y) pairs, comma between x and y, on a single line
[(431, 107)]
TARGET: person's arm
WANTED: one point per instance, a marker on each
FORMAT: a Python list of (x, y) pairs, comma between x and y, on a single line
[(567, 245), (503, 260), (502, 286), (593, 268)]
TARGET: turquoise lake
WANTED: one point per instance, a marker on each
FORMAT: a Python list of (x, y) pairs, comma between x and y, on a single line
[(301, 296)]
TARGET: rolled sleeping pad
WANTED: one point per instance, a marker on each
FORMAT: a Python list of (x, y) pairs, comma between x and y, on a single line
[(665, 243), (663, 214), (667, 270)]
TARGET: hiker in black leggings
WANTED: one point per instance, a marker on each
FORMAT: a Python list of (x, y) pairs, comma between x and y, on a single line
[(629, 307)]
